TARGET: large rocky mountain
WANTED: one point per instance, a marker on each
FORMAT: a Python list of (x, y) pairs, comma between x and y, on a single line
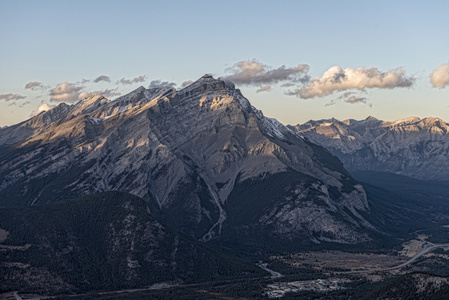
[(207, 163), (412, 147)]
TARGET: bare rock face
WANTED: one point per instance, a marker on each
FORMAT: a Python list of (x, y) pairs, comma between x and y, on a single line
[(413, 147), (207, 162)]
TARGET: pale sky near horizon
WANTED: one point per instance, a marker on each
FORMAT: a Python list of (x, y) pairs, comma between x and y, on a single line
[(294, 60)]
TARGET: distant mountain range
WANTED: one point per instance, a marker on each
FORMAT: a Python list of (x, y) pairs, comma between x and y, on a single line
[(412, 147)]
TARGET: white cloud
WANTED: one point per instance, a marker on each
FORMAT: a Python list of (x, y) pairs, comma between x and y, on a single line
[(66, 92), (252, 72), (440, 76), (102, 78), (11, 97), (41, 108), (265, 88), (137, 79), (337, 79)]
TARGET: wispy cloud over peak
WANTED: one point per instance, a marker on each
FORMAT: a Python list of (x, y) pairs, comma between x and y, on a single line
[(440, 76)]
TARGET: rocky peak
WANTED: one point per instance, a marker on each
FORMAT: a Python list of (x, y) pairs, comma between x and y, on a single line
[(401, 122), (88, 104), (432, 121), (370, 121), (93, 99), (135, 95), (209, 84), (206, 78), (371, 118)]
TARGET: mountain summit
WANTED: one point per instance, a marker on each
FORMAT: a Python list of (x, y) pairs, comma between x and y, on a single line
[(207, 163)]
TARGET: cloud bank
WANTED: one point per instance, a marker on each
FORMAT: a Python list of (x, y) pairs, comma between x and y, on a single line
[(11, 97), (66, 92), (440, 76), (337, 79), (252, 72)]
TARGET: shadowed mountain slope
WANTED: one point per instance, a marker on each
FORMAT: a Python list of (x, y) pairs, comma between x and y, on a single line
[(103, 241)]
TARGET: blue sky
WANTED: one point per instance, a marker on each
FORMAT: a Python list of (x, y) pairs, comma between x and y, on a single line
[(58, 44)]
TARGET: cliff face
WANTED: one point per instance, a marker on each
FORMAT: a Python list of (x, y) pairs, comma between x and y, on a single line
[(205, 161)]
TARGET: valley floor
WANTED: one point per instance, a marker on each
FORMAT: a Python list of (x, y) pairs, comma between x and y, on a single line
[(333, 274)]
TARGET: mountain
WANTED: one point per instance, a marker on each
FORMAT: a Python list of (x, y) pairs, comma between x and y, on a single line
[(412, 147), (208, 164), (103, 241)]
